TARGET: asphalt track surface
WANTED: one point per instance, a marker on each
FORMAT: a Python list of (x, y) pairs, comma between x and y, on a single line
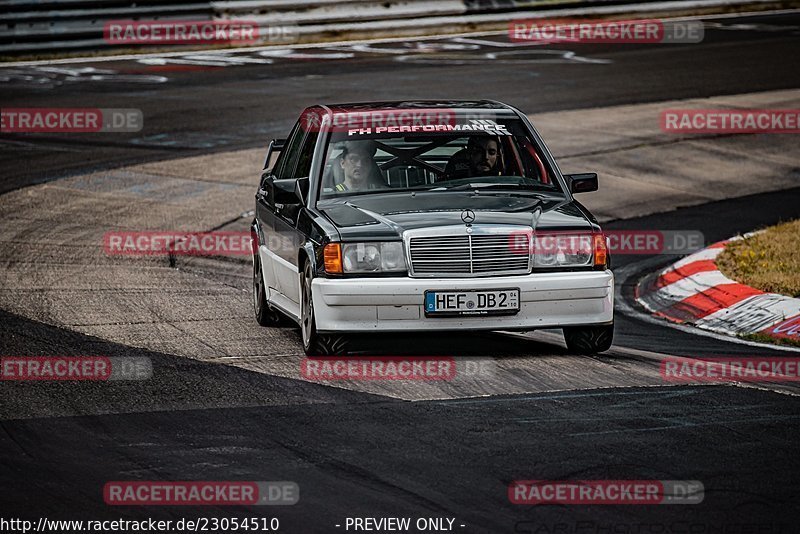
[(358, 453)]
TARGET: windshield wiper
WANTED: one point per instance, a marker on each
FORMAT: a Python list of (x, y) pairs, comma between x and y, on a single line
[(467, 187)]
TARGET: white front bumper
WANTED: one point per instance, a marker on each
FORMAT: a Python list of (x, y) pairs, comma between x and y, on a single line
[(547, 300)]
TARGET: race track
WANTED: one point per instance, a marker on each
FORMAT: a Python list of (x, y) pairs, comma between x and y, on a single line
[(227, 400)]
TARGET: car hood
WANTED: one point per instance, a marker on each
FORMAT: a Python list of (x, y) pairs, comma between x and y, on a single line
[(387, 216)]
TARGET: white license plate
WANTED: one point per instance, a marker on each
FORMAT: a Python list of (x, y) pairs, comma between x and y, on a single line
[(493, 302)]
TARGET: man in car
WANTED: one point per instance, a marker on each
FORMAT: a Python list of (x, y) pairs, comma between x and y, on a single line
[(482, 157), (358, 167)]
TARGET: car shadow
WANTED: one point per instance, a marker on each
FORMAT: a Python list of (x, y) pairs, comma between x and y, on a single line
[(492, 344)]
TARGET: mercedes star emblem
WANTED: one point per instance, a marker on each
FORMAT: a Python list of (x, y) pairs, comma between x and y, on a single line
[(467, 216)]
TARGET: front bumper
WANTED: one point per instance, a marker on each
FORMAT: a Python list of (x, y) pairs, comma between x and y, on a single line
[(547, 300)]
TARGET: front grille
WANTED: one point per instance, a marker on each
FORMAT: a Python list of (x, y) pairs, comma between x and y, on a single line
[(454, 252)]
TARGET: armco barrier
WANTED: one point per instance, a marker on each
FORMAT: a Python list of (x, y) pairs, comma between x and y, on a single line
[(31, 26), (48, 26)]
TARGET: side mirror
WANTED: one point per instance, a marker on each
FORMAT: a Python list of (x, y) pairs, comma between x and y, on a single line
[(582, 183), (275, 147), (286, 192), (301, 189)]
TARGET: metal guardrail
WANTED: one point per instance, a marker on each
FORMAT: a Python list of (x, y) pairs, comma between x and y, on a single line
[(51, 26), (29, 26), (361, 12)]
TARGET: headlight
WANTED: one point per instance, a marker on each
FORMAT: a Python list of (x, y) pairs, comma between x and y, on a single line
[(373, 257), (562, 250)]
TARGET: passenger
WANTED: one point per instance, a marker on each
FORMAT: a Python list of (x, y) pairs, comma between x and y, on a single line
[(482, 157)]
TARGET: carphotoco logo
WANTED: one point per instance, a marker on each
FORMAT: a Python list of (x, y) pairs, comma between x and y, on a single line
[(787, 329), (70, 120), (595, 492), (200, 493), (74, 368), (151, 243), (614, 31), (727, 524), (730, 369), (131, 32), (730, 121)]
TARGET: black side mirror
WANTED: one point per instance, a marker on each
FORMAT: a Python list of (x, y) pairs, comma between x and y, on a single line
[(582, 183), (301, 189), (286, 192)]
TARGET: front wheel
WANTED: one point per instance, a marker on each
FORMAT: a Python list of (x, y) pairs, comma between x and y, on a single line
[(589, 339), (314, 343)]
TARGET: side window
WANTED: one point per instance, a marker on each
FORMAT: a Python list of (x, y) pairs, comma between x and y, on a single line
[(288, 158), (303, 168)]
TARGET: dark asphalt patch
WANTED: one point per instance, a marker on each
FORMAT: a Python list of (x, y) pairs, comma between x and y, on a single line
[(178, 383), (424, 459)]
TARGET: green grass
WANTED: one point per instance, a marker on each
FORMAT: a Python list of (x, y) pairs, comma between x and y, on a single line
[(764, 338), (769, 260)]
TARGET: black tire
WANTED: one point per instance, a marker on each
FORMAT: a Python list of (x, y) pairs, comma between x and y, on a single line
[(265, 316), (314, 343), (589, 339)]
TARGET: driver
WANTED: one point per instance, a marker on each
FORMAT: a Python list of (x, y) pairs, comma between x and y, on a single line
[(481, 157), (358, 167)]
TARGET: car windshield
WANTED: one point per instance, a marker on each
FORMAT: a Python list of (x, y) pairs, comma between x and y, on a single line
[(467, 154)]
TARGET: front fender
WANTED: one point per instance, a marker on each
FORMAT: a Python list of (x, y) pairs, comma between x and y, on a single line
[(308, 251)]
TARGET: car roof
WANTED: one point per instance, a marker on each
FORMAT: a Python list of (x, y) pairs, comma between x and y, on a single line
[(458, 105)]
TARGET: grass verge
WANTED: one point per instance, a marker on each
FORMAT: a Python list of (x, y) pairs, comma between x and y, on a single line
[(764, 338), (769, 260)]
